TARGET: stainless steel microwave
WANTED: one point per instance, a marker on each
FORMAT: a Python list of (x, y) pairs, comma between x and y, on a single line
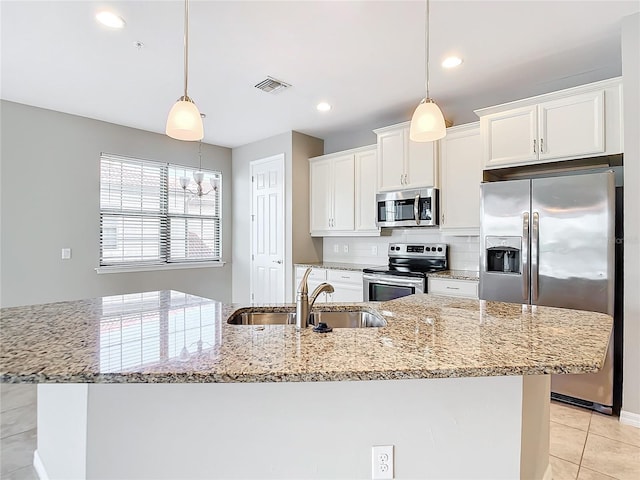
[(408, 208)]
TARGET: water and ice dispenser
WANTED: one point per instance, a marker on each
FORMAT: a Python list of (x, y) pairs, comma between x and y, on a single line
[(504, 254)]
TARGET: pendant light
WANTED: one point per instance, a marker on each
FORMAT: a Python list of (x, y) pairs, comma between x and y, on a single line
[(184, 121), (427, 123)]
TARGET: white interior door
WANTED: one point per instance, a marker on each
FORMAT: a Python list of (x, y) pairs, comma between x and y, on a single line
[(267, 230)]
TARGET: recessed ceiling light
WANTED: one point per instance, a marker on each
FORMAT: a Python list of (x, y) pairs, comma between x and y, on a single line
[(451, 62), (323, 107), (110, 19)]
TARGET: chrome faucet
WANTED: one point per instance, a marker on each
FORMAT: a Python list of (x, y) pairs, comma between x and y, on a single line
[(303, 303)]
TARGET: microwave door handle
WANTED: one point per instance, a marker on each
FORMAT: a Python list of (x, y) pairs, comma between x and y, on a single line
[(526, 286), (416, 209)]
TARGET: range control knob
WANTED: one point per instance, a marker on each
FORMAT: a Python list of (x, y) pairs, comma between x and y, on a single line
[(439, 249)]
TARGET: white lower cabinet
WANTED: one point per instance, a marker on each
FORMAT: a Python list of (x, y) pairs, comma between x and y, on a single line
[(453, 287), (347, 284)]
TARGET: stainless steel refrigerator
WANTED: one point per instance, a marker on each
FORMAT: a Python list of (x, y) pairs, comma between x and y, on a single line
[(551, 241)]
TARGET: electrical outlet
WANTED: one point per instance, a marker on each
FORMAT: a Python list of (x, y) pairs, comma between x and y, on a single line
[(374, 250), (382, 462), (66, 253), (345, 248)]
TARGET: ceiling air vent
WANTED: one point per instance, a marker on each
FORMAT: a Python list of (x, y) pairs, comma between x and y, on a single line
[(271, 85)]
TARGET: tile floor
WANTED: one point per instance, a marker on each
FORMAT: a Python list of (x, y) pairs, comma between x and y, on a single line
[(584, 445), (590, 446)]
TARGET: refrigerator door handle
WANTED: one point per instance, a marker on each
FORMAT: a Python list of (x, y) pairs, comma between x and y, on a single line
[(525, 257), (535, 240)]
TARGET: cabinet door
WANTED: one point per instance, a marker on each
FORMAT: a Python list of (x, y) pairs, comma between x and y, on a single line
[(343, 193), (453, 287), (391, 159), (572, 127), (461, 168), (510, 137), (320, 184), (365, 194), (421, 163), (344, 292)]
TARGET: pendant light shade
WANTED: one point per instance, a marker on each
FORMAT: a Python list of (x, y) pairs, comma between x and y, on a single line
[(184, 121), (427, 123)]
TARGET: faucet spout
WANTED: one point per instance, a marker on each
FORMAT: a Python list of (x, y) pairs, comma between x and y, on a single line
[(323, 287)]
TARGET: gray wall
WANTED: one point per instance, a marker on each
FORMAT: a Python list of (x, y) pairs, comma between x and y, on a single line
[(631, 92), (50, 200), (299, 246), (242, 157)]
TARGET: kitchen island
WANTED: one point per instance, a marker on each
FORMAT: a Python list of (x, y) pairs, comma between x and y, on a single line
[(460, 387)]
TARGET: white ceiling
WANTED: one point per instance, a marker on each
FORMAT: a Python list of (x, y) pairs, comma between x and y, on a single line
[(366, 58)]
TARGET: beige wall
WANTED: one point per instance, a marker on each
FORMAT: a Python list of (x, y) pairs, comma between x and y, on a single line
[(50, 200), (631, 79)]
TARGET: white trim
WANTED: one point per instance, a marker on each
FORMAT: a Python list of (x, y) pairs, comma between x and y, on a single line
[(38, 466), (548, 474), (630, 418), (153, 268)]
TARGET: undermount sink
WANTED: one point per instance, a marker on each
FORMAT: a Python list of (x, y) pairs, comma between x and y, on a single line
[(349, 319), (353, 319), (263, 318)]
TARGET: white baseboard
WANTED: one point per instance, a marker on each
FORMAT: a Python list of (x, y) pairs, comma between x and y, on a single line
[(39, 467), (629, 418), (548, 474)]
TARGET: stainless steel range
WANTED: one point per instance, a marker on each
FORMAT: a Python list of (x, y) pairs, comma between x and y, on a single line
[(406, 272)]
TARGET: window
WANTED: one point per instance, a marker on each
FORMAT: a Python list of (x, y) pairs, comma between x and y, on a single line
[(148, 218)]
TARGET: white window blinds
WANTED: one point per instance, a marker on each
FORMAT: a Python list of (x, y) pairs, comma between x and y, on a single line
[(147, 218)]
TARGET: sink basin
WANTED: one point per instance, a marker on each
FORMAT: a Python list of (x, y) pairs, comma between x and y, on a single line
[(263, 318), (354, 319), (350, 319)]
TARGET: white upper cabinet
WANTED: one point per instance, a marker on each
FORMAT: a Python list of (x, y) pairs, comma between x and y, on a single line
[(342, 193), (461, 170), (332, 189), (402, 163), (575, 123), (366, 185)]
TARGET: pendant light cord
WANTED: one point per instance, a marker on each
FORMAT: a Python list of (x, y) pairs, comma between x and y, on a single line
[(186, 46), (426, 49)]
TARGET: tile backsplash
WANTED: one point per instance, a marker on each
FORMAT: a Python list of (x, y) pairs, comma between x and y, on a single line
[(463, 251)]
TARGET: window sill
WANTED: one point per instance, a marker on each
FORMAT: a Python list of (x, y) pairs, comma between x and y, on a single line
[(153, 268)]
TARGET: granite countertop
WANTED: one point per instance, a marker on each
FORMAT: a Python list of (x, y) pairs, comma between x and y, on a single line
[(174, 337), (353, 267), (455, 275), (451, 274)]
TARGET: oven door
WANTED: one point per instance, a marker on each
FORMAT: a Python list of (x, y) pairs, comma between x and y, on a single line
[(379, 287)]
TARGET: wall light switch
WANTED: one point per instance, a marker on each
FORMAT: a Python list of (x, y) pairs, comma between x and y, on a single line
[(66, 253), (374, 250), (336, 248)]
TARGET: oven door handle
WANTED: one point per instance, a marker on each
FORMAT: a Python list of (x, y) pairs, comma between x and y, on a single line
[(416, 209), (394, 280)]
